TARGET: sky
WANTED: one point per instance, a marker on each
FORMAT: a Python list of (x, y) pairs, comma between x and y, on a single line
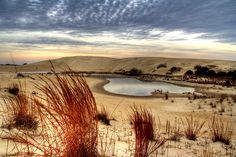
[(34, 30)]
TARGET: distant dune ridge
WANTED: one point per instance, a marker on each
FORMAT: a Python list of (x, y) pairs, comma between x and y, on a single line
[(149, 65)]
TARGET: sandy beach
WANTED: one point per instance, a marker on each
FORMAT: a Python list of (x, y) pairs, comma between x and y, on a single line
[(172, 109)]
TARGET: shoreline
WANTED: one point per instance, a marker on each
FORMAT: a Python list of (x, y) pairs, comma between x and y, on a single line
[(99, 88), (198, 88)]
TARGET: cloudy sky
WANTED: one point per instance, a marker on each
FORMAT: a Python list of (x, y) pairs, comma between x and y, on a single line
[(33, 30)]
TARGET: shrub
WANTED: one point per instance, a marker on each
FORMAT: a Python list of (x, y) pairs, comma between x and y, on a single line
[(162, 65), (221, 131), (14, 89), (189, 72), (166, 96), (135, 71), (202, 71), (196, 67), (103, 116), (222, 74), (20, 75), (211, 73), (175, 69), (143, 125), (192, 127)]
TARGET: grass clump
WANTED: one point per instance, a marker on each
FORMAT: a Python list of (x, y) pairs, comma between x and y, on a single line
[(66, 109), (192, 127), (143, 125), (71, 109), (14, 89), (103, 116), (20, 112), (220, 130), (173, 132)]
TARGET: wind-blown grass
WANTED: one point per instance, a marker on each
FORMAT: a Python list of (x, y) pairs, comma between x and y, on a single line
[(192, 127), (220, 130), (103, 116), (20, 112), (72, 107), (143, 125), (67, 113)]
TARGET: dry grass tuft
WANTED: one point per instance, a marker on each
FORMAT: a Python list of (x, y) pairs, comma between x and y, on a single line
[(72, 109), (192, 127), (221, 131), (209, 152), (13, 89), (20, 112), (173, 132), (103, 116), (143, 125), (67, 111)]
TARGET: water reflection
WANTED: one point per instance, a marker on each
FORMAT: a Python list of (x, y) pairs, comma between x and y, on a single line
[(132, 86)]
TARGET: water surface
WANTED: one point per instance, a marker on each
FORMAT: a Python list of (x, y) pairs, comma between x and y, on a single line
[(134, 87)]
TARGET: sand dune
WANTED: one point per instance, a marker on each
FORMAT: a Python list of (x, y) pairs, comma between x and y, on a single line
[(103, 64)]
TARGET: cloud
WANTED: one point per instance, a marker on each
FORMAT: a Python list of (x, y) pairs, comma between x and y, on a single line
[(200, 16), (147, 27)]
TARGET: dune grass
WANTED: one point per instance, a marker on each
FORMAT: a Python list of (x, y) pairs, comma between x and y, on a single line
[(13, 89), (103, 116), (173, 132), (20, 113), (143, 125), (66, 109), (71, 110), (221, 130), (66, 117), (192, 127)]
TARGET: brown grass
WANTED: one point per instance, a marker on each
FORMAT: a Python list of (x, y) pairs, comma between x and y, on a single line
[(143, 125), (103, 116), (173, 132), (20, 112), (13, 89), (67, 113), (221, 130), (192, 127), (72, 108), (209, 152)]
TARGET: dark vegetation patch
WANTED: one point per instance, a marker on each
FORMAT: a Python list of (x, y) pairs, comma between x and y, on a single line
[(135, 71), (162, 65), (103, 116), (13, 89), (25, 121)]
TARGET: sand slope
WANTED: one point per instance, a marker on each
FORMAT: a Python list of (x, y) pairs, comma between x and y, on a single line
[(103, 64)]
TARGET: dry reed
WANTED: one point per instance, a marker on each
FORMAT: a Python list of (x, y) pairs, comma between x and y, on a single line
[(192, 127), (67, 113), (221, 131), (173, 132), (103, 116), (20, 112), (143, 125)]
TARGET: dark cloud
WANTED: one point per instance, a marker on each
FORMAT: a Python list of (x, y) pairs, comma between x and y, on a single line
[(93, 16), (45, 40)]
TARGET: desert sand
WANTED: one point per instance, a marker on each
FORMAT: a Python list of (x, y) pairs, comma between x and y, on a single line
[(103, 64), (119, 106)]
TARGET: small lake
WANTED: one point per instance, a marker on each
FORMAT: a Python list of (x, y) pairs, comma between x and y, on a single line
[(134, 87)]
